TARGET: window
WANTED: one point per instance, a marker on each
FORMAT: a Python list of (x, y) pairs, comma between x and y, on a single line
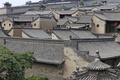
[(35, 24), (97, 25)]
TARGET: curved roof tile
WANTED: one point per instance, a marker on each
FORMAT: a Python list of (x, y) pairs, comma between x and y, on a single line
[(97, 65)]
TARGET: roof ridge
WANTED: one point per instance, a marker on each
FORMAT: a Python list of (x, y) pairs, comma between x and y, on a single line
[(33, 40), (97, 64), (94, 40)]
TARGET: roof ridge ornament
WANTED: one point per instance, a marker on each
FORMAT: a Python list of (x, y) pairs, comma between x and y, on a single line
[(97, 56), (97, 65)]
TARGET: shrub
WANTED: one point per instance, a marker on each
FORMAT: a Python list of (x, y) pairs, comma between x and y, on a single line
[(37, 78)]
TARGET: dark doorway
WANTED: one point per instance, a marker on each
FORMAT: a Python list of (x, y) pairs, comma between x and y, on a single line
[(111, 26)]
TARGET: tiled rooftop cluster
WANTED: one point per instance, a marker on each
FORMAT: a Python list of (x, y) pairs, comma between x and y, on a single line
[(67, 34), (95, 70), (61, 33), (45, 51)]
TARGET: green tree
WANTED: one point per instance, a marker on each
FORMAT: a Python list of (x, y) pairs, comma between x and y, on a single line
[(14, 64), (81, 2), (37, 78), (63, 6), (94, 3)]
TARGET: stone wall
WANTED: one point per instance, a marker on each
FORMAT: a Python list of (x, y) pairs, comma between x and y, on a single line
[(45, 24), (72, 60), (50, 71), (17, 32)]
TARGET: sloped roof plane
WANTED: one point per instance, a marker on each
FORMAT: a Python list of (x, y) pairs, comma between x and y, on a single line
[(83, 34), (108, 49), (65, 34), (66, 12), (36, 33), (110, 16), (45, 51), (62, 21)]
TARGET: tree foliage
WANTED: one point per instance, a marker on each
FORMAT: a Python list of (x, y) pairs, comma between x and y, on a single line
[(37, 78), (94, 3), (14, 64), (63, 6), (81, 2)]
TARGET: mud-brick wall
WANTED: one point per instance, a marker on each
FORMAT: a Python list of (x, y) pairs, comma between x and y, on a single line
[(51, 71)]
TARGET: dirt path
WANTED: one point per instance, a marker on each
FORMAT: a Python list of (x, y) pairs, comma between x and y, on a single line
[(72, 61)]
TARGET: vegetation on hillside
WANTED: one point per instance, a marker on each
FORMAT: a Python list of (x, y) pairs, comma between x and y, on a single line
[(13, 65), (81, 2), (37, 78)]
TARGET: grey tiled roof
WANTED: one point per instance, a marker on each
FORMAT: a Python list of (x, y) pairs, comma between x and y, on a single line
[(86, 8), (62, 21), (85, 19), (111, 16), (101, 16), (100, 76), (108, 49), (38, 12), (20, 18), (36, 33), (45, 51), (108, 6), (21, 26), (96, 70), (25, 18), (75, 24), (74, 8), (22, 9), (83, 34), (94, 75), (64, 34), (66, 12), (73, 19), (97, 65), (2, 17), (33, 3), (2, 34), (104, 35), (59, 6)]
